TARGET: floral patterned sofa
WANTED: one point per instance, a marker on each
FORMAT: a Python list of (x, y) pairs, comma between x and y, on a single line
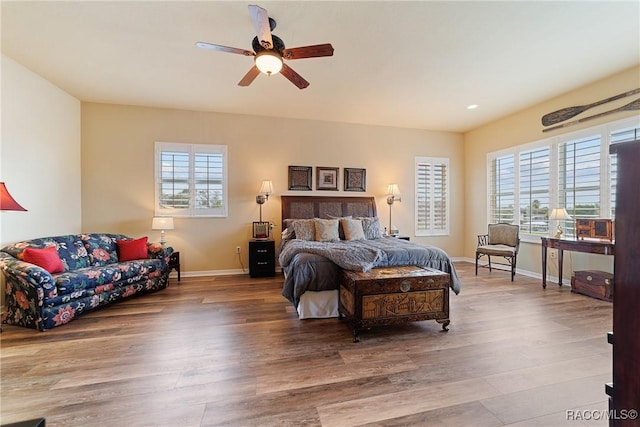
[(89, 271)]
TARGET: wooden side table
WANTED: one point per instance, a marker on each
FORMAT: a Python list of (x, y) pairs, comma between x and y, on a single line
[(174, 263)]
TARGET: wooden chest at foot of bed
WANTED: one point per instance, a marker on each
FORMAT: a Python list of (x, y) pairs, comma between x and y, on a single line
[(393, 295), (596, 284)]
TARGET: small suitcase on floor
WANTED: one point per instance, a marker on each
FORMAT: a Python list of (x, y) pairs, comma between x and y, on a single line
[(596, 284)]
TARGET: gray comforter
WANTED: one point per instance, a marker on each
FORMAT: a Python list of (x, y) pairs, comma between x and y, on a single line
[(314, 266)]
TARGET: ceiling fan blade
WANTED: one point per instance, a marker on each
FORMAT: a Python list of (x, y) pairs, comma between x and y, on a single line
[(220, 48), (293, 77), (308, 51), (260, 19), (249, 77)]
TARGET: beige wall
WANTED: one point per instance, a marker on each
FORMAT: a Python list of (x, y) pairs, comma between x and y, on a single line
[(118, 173), (39, 156), (40, 152), (524, 127)]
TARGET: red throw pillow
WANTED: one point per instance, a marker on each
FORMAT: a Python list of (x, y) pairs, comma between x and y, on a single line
[(129, 250), (46, 258)]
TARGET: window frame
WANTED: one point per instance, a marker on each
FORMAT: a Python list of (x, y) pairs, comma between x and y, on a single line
[(431, 230), (192, 150)]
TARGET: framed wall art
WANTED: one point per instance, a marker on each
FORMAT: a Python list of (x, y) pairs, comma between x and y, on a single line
[(300, 178), (355, 179), (327, 178)]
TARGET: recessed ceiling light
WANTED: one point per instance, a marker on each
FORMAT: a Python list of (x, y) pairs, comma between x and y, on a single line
[(472, 107)]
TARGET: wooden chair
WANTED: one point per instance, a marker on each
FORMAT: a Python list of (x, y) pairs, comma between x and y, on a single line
[(502, 240)]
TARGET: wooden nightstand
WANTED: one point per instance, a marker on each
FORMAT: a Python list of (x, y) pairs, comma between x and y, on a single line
[(262, 258), (174, 263)]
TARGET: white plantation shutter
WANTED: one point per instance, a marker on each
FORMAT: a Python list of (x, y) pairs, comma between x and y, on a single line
[(534, 195), (191, 179), (624, 135), (502, 189), (432, 196), (579, 177)]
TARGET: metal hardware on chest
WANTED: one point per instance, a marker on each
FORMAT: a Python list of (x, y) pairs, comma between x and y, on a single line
[(405, 286)]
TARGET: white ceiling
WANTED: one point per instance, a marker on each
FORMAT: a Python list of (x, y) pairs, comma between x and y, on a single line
[(408, 64)]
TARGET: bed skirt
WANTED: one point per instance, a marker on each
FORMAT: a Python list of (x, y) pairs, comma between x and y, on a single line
[(318, 304)]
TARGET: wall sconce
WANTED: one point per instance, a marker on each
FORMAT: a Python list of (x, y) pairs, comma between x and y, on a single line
[(559, 214), (266, 188), (393, 194), (7, 202), (162, 224)]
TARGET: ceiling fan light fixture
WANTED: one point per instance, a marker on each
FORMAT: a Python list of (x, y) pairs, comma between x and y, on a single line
[(269, 62)]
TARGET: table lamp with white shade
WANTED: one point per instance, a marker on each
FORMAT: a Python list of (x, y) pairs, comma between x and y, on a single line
[(162, 223), (559, 214)]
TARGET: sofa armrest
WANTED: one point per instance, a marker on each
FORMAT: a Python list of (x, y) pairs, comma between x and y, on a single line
[(155, 251), (26, 288), (28, 274)]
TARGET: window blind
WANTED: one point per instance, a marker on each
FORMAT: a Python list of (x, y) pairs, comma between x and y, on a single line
[(432, 196), (625, 135), (579, 177), (534, 192), (502, 189)]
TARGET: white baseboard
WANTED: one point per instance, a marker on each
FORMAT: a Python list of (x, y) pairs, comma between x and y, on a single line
[(205, 273)]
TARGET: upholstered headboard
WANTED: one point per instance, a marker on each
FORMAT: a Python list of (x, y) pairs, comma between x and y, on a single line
[(300, 207)]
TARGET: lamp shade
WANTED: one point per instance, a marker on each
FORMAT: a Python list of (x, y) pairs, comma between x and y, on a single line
[(269, 62), (559, 213), (8, 203), (394, 191), (162, 223), (266, 188)]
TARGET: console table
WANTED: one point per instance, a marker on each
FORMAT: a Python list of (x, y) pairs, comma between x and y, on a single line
[(601, 247)]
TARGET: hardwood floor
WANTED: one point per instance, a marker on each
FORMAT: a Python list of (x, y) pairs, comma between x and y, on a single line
[(231, 351)]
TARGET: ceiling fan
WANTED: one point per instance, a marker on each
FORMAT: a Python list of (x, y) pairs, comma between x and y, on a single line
[(269, 51)]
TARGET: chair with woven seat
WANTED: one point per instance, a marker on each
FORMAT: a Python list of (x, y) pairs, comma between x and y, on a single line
[(502, 240)]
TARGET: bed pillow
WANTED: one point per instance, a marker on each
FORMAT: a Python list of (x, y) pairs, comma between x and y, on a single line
[(340, 230), (371, 227), (46, 258), (352, 229), (326, 230), (288, 234), (304, 229), (129, 250)]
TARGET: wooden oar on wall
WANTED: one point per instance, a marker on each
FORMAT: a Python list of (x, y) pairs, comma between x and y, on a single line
[(569, 112), (635, 105)]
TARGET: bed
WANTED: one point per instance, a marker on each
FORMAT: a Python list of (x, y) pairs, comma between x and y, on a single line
[(312, 268)]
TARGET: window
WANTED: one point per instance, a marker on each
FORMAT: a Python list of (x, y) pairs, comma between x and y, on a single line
[(191, 180), (579, 179), (623, 135), (534, 191), (432, 196), (574, 171), (502, 189)]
